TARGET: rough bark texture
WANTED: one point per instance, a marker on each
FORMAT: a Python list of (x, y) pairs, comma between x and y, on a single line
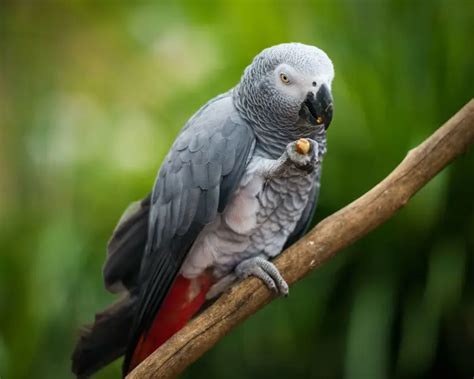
[(324, 241)]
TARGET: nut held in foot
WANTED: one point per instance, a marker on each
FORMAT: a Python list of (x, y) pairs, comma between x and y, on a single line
[(303, 146)]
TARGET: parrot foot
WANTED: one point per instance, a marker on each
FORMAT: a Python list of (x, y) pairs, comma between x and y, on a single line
[(303, 153), (266, 271)]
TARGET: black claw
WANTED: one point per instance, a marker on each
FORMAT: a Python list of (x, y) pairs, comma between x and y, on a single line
[(309, 168)]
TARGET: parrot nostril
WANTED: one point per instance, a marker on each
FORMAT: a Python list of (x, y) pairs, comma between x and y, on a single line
[(315, 84)]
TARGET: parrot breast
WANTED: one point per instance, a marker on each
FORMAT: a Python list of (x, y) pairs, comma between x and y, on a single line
[(258, 220)]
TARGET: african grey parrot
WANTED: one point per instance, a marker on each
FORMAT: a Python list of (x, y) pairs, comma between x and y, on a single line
[(239, 184)]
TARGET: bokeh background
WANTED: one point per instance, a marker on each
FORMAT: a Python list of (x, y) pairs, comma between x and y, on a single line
[(92, 94)]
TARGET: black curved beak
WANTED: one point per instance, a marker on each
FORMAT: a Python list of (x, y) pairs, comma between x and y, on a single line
[(320, 107)]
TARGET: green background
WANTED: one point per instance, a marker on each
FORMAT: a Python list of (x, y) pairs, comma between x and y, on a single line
[(92, 95)]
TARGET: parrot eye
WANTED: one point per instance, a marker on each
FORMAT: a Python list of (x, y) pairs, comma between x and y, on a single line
[(284, 78)]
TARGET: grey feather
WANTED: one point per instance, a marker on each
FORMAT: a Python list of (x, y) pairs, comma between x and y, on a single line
[(250, 124), (126, 246), (200, 173), (201, 194), (193, 195), (305, 221)]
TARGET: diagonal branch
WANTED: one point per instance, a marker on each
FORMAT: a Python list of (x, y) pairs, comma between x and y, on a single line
[(323, 242)]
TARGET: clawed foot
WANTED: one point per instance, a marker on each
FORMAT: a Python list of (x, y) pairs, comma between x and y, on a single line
[(266, 271), (257, 266), (303, 153)]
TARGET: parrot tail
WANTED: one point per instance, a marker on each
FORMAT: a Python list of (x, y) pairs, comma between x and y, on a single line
[(183, 301), (106, 339)]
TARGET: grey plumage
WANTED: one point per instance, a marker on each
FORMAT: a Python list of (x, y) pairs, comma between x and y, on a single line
[(126, 246), (233, 190), (200, 147), (276, 118)]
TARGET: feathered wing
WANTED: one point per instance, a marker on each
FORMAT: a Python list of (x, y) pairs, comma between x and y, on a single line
[(126, 247), (198, 176)]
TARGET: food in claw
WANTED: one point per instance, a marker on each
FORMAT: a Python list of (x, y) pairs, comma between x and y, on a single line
[(303, 146)]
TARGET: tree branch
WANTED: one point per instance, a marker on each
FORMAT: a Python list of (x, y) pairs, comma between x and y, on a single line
[(323, 242)]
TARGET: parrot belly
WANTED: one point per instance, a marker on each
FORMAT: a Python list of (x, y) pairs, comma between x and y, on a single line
[(258, 220)]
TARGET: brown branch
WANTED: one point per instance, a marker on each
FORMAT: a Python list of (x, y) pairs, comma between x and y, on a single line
[(323, 242)]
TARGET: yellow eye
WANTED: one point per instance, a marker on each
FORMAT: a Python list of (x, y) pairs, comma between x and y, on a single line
[(284, 78)]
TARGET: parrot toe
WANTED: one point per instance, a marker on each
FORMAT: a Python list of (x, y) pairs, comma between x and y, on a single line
[(264, 270)]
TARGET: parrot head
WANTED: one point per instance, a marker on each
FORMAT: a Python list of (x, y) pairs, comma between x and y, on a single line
[(289, 86)]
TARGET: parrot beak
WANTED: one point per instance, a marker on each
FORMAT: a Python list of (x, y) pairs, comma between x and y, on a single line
[(320, 107)]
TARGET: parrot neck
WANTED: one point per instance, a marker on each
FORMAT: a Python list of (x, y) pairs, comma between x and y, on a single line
[(274, 134)]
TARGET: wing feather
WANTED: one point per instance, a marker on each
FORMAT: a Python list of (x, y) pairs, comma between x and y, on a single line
[(126, 246), (198, 176)]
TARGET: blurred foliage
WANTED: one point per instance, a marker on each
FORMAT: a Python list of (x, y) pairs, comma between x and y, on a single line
[(92, 94)]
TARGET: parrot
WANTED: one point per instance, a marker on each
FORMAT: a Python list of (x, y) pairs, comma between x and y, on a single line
[(239, 184)]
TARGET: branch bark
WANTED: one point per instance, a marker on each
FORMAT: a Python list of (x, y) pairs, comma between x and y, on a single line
[(323, 242)]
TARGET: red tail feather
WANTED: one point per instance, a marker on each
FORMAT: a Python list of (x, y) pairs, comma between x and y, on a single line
[(182, 302)]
